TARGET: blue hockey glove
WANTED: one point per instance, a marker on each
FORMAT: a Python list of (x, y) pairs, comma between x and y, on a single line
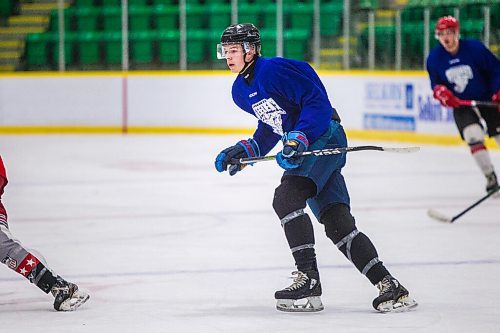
[(294, 142), (242, 149)]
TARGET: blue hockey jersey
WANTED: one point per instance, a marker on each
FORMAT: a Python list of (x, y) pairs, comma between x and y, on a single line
[(285, 95), (471, 74)]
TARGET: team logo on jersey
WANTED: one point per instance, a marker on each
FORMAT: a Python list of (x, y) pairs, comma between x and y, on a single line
[(460, 76), (11, 263), (269, 112)]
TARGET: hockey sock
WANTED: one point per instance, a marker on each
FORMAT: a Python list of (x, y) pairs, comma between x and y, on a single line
[(340, 227), (358, 248), (36, 272), (289, 203), (482, 157), (300, 236)]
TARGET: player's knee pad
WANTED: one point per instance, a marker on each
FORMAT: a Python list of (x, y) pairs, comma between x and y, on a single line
[(338, 222), (473, 134), (291, 195)]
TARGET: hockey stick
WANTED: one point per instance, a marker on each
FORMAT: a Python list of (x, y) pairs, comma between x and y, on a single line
[(443, 218), (479, 103), (326, 152)]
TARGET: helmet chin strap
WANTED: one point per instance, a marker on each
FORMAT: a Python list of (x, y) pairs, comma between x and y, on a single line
[(247, 63)]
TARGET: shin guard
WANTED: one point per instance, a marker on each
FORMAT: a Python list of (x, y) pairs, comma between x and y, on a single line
[(300, 236), (340, 227)]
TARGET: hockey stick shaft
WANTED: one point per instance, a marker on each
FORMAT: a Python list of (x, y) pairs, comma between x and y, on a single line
[(474, 205), (440, 217), (479, 103), (327, 152)]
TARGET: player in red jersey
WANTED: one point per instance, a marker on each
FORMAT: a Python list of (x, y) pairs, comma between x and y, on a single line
[(67, 296)]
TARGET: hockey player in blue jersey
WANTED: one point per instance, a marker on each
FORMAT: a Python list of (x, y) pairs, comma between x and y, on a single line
[(291, 104), (463, 69)]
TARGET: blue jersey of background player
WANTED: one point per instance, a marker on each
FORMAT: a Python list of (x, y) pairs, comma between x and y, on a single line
[(291, 104), (462, 69)]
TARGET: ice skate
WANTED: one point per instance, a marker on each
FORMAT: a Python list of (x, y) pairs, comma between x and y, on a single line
[(303, 295), (393, 297), (491, 182), (67, 296)]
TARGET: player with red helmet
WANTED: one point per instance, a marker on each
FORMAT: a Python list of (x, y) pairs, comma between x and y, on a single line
[(465, 69)]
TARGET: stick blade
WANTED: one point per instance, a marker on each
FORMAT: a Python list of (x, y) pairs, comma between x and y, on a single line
[(402, 150), (438, 216)]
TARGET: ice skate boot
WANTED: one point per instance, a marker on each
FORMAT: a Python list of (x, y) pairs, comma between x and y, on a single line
[(393, 297), (67, 295), (491, 182), (303, 295)]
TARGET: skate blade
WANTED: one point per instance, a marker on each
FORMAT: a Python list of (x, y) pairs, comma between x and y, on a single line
[(75, 301), (401, 305), (309, 304)]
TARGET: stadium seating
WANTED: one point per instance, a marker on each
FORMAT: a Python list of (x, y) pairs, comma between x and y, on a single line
[(168, 46), (93, 29)]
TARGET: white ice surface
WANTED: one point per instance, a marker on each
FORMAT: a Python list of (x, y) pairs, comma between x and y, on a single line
[(164, 243)]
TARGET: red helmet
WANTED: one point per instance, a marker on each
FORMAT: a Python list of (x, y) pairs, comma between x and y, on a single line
[(447, 22)]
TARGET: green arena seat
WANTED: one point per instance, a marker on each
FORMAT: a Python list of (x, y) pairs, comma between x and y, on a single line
[(163, 2), (112, 18), (331, 19), (117, 3), (301, 15), (137, 2), (37, 48), (472, 28), (166, 17), (168, 46), (268, 38), (142, 47), (249, 13), (112, 47), (83, 3), (140, 17), (264, 3), (296, 43), (195, 16), (196, 46), (219, 16), (86, 18), (89, 47), (269, 16)]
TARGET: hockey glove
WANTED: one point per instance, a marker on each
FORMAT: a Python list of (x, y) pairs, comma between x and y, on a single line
[(445, 96), (496, 97), (294, 142), (242, 149)]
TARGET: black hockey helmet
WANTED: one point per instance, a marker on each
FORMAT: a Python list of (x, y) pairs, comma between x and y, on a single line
[(244, 34), (241, 33)]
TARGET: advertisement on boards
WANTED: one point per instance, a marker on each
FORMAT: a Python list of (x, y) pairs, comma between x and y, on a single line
[(404, 104)]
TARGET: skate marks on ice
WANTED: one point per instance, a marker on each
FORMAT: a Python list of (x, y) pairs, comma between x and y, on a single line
[(157, 256)]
